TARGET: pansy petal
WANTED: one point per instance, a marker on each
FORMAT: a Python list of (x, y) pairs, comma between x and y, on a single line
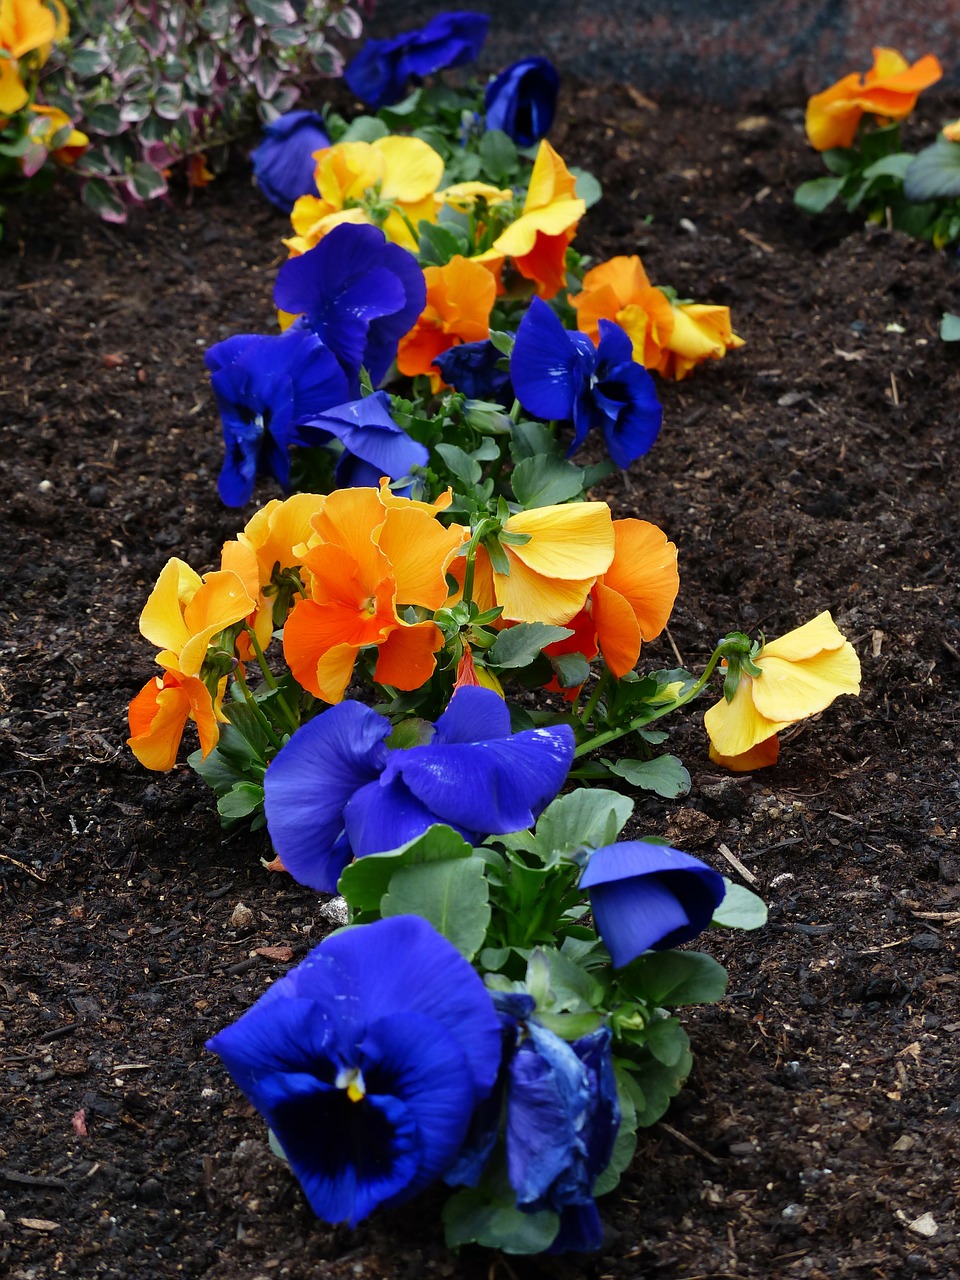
[(736, 727), (405, 659), (575, 540), (762, 756), (544, 364), (644, 572), (819, 634), (311, 780), (617, 629), (795, 690)]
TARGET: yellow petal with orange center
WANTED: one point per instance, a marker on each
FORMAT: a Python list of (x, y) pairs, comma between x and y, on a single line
[(550, 179), (519, 238), (761, 756), (737, 727), (575, 540), (276, 529), (624, 274), (218, 603)]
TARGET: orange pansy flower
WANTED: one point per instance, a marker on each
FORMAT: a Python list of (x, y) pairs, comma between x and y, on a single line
[(619, 290), (628, 604), (365, 561), (889, 90), (701, 331), (159, 713), (460, 297)]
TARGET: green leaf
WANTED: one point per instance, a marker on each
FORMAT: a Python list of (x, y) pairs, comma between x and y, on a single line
[(572, 669), (276, 13), (531, 439), (814, 196), (364, 882), (589, 189), (453, 896), (587, 818), (517, 646), (934, 173), (625, 1144), (438, 244), (103, 118), (242, 800), (364, 129), (740, 909), (469, 1217), (104, 201), (145, 181), (87, 62), (498, 154), (651, 1084), (571, 989), (674, 978), (546, 480), (665, 775), (667, 1041), (466, 469), (950, 327), (894, 166), (840, 160)]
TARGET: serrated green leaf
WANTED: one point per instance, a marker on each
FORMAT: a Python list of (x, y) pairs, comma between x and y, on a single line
[(572, 669), (469, 1217), (674, 978), (517, 646), (466, 469), (364, 882), (242, 800), (665, 775), (453, 895), (546, 480), (587, 818)]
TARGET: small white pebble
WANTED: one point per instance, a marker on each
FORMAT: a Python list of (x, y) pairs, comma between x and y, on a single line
[(45, 486)]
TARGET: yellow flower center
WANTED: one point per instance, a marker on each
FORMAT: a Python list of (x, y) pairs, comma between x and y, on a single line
[(351, 1079)]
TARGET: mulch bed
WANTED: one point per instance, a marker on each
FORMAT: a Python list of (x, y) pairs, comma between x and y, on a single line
[(813, 469)]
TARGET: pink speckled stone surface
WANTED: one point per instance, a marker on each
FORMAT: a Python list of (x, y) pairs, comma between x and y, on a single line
[(723, 51)]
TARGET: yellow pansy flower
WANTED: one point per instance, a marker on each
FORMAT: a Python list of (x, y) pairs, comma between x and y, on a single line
[(801, 674)]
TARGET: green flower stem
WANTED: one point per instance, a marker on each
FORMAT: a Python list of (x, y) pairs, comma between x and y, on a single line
[(601, 685), (482, 529), (251, 702), (289, 714), (641, 722), (515, 411)]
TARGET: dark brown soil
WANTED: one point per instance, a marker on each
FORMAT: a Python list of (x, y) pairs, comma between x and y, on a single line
[(813, 469)]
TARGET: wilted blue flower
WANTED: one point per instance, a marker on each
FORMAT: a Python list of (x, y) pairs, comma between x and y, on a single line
[(522, 101), (471, 367), (283, 163), (357, 292), (373, 444), (649, 897), (265, 385), (337, 790), (379, 73), (559, 375), (561, 1122), (367, 1061)]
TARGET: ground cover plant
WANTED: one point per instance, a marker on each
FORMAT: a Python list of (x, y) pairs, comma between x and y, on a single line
[(674, 1226)]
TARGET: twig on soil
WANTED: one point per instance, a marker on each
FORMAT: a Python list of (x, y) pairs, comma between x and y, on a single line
[(673, 646), (738, 866), (23, 867), (688, 1142)]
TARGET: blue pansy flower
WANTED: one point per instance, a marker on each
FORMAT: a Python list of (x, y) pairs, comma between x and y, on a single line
[(283, 163), (367, 1061), (471, 368), (378, 75), (522, 101), (561, 1118), (264, 385), (357, 292), (649, 897), (373, 444), (336, 790), (559, 375)]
